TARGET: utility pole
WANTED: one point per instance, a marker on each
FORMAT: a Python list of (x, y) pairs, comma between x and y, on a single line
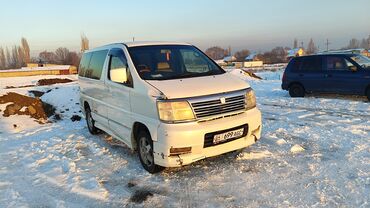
[(229, 50), (133, 39), (301, 44), (327, 44)]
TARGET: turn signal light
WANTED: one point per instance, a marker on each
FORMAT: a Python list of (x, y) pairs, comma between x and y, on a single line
[(179, 151)]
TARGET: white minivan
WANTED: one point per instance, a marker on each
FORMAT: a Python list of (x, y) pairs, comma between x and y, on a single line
[(167, 100)]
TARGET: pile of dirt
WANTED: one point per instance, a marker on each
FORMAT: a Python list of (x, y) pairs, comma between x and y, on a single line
[(43, 82), (25, 105)]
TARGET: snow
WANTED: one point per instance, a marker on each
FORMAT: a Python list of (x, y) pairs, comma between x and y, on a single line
[(48, 68), (60, 164)]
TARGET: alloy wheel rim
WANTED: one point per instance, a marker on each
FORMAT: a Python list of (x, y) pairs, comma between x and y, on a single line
[(146, 151)]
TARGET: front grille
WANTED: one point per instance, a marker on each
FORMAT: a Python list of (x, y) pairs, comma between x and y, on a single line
[(212, 106), (208, 138)]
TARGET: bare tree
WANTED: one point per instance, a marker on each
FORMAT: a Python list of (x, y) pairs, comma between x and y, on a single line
[(20, 61), (2, 59), (353, 43), (48, 57), (8, 58), (84, 43), (62, 55), (74, 59), (276, 55), (216, 52), (364, 43), (295, 44), (311, 48), (14, 58), (241, 55), (26, 50)]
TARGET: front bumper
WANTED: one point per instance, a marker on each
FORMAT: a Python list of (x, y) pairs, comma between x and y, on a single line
[(192, 135)]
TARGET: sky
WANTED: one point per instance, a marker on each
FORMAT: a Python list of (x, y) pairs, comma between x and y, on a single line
[(257, 25)]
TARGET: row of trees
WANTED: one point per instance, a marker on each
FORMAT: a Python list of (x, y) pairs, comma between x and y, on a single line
[(63, 56), (279, 54), (217, 53), (17, 57), (355, 43), (276, 55)]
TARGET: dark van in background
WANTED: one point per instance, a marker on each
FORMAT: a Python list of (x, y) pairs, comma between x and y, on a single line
[(326, 73)]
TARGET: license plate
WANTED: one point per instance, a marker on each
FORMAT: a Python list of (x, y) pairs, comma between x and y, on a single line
[(218, 138)]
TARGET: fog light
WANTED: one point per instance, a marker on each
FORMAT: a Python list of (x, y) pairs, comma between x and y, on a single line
[(179, 151)]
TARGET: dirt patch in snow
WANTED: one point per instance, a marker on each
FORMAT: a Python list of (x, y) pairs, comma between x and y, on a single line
[(25, 105), (140, 196), (43, 82), (23, 86), (76, 118), (251, 74), (36, 93)]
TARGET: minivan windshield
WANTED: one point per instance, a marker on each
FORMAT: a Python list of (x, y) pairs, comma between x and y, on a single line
[(163, 62)]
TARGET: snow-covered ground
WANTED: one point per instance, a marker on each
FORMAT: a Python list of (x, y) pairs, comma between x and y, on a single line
[(314, 152)]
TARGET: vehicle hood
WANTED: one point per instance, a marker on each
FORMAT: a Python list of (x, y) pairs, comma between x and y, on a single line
[(198, 86)]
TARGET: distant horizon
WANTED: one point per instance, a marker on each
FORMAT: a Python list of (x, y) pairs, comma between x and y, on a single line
[(236, 23)]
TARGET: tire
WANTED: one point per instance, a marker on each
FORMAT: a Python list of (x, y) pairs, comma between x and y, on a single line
[(296, 90), (368, 94), (90, 122), (145, 152)]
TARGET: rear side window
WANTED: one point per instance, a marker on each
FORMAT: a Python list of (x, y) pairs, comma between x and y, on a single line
[(337, 63), (312, 63), (96, 64), (84, 64)]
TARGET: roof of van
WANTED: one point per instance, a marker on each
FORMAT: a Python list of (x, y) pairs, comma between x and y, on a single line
[(151, 43), (134, 44), (327, 54)]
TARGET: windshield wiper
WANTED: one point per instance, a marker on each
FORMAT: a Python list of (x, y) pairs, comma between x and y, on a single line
[(187, 75)]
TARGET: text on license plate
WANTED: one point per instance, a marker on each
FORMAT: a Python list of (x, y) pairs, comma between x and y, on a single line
[(227, 135)]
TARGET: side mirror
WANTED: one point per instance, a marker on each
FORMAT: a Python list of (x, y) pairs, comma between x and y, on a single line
[(119, 75), (353, 68)]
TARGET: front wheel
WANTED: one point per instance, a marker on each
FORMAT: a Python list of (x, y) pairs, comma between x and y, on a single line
[(296, 90), (145, 151), (90, 122)]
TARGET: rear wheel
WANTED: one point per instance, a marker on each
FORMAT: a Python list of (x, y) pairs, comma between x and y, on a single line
[(368, 94), (145, 152), (90, 122), (296, 90)]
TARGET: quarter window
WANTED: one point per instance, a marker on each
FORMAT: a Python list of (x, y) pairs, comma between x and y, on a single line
[(96, 64), (84, 64), (311, 64)]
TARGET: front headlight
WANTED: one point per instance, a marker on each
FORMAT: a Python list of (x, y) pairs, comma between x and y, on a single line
[(174, 111), (250, 99)]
